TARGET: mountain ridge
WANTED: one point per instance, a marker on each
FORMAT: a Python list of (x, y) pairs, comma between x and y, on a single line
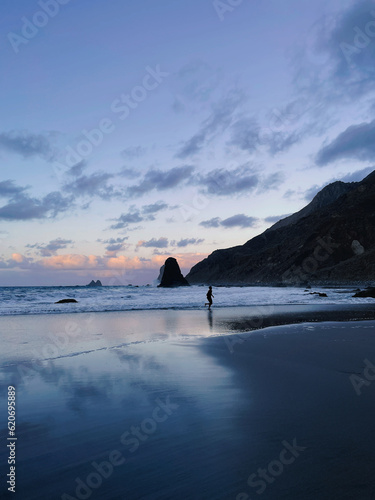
[(291, 253)]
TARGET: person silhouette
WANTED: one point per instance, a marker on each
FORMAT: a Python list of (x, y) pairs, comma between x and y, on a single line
[(209, 298)]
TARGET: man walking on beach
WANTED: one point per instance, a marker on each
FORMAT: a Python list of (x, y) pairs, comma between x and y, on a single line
[(209, 298)]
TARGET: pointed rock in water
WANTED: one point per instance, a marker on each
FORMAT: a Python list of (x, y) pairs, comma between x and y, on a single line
[(67, 301), (172, 274), (95, 283)]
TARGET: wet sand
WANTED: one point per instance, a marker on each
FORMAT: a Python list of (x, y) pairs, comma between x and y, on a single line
[(143, 405)]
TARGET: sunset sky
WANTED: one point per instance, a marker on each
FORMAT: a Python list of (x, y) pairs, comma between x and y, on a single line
[(134, 131)]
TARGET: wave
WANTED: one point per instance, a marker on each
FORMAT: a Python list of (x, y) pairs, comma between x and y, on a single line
[(41, 300)]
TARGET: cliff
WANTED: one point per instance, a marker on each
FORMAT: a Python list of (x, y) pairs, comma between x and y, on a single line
[(331, 240)]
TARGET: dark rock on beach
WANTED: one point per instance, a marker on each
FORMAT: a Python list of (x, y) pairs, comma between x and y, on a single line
[(67, 301), (369, 292), (172, 276)]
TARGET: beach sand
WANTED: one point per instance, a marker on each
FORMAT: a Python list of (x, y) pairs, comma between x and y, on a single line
[(163, 405)]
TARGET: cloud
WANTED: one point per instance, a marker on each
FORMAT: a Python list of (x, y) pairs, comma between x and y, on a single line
[(77, 169), (97, 184), (27, 144), (23, 207), (278, 142), (357, 141), (336, 64), (52, 247), (161, 180), (114, 245), (358, 175), (243, 179), (239, 220), (154, 207), (228, 182), (185, 242), (275, 218), (271, 182), (333, 68), (71, 267), (136, 215), (289, 194), (72, 261), (215, 222), (17, 261), (351, 45), (129, 173), (248, 135), (92, 185), (133, 152), (154, 243), (8, 189), (132, 217), (245, 134), (219, 120)]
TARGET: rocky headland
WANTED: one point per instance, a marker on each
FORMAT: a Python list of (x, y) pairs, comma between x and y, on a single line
[(330, 241)]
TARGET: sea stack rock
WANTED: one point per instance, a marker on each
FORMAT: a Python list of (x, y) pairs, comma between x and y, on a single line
[(172, 274), (160, 274), (95, 283)]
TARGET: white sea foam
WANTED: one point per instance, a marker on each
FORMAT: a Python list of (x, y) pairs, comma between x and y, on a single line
[(41, 300)]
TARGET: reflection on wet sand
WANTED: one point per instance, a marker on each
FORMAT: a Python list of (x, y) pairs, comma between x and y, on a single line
[(91, 400), (210, 320), (227, 410)]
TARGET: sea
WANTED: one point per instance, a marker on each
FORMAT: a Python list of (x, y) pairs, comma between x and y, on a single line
[(42, 300)]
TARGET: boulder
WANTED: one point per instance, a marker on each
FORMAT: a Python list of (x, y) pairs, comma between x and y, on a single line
[(67, 301), (357, 248), (95, 283), (172, 276), (369, 292)]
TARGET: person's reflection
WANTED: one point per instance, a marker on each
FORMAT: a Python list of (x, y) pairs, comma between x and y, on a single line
[(210, 319)]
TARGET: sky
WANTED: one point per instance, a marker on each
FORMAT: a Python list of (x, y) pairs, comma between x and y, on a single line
[(135, 131)]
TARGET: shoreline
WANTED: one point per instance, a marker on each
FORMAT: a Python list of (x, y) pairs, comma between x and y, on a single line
[(279, 314), (63, 335)]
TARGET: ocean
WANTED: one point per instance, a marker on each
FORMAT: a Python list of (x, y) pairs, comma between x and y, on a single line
[(41, 300)]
